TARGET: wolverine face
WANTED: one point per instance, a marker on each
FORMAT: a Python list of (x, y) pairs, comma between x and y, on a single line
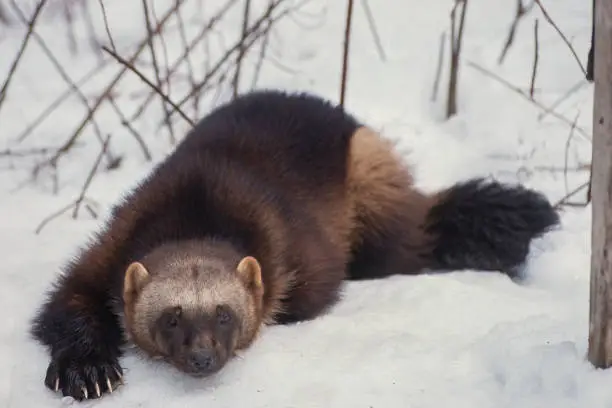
[(197, 342), (195, 313)]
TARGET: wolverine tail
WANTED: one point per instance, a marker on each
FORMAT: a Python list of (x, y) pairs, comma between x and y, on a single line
[(486, 225)]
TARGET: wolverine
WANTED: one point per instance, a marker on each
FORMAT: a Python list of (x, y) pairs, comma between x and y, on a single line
[(256, 218)]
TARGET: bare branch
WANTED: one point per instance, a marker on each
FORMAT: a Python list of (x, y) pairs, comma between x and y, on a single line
[(106, 27), (203, 34), (456, 39), (345, 52), (575, 88), (59, 100), (68, 143), (51, 217), (192, 80), (373, 29), (262, 52), (564, 200), (253, 31), (536, 55), (58, 66), (521, 10), (133, 132), (526, 96), (24, 44), (591, 56), (241, 49), (158, 88), (81, 199), (571, 48), (148, 82), (436, 84), (567, 145)]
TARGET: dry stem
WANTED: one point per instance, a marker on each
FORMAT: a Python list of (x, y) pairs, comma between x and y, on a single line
[(70, 141), (456, 39), (158, 87), (373, 29), (173, 68), (526, 96), (569, 45), (345, 51), (241, 48), (521, 10), (74, 88), (22, 48), (106, 27), (536, 57), (148, 82), (436, 84)]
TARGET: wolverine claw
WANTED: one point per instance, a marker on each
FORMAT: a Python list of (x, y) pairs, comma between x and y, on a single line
[(119, 376), (83, 378)]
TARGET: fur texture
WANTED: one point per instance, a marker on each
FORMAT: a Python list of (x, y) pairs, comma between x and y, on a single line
[(293, 182)]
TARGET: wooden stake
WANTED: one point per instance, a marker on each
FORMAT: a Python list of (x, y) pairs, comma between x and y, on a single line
[(600, 328)]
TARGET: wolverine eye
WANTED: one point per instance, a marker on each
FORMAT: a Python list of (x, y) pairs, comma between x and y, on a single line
[(223, 316)]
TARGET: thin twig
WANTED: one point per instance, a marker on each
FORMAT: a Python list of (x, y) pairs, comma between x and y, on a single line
[(563, 200), (590, 68), (456, 40), (90, 176), (124, 122), (67, 9), (526, 96), (521, 10), (58, 66), (93, 39), (22, 48), (158, 87), (575, 88), (241, 49), (345, 52), (567, 145), (550, 20), (253, 30), (52, 216), (190, 71), (59, 100), (70, 141), (164, 48), (262, 52), (373, 29), (25, 152), (436, 84), (589, 197), (148, 82), (108, 32), (536, 56), (201, 35)]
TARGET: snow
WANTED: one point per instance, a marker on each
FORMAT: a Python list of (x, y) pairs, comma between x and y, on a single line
[(464, 339)]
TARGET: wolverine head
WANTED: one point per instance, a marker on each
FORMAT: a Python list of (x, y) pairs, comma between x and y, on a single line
[(193, 311)]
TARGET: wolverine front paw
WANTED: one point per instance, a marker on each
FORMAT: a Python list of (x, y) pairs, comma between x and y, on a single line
[(83, 377)]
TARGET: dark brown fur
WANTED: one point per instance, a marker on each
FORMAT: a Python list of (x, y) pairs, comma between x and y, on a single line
[(311, 194)]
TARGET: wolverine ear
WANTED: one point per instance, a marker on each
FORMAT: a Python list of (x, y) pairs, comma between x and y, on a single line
[(136, 275), (250, 271)]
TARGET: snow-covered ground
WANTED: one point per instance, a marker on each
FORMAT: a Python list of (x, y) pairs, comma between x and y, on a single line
[(465, 339)]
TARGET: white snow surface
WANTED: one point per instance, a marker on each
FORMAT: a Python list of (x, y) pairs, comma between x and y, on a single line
[(464, 339)]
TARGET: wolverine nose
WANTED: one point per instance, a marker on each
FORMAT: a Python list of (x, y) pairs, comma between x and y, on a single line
[(203, 361)]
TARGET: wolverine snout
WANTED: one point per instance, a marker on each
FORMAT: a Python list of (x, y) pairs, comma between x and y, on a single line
[(203, 362)]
